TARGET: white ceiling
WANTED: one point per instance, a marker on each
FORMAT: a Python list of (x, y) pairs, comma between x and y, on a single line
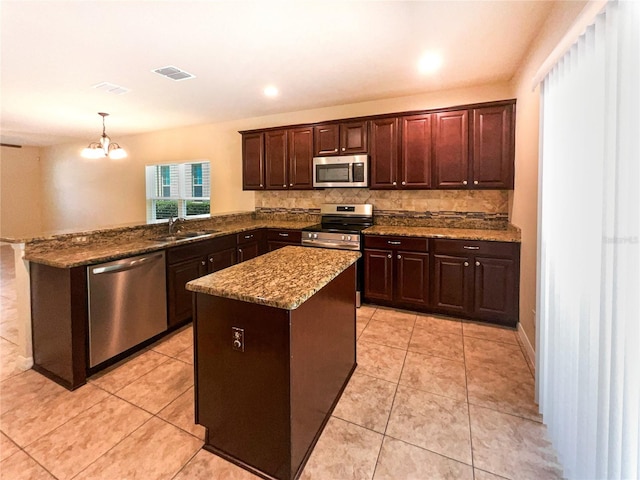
[(318, 53)]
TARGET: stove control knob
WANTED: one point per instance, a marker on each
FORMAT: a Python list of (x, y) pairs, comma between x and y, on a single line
[(315, 235), (342, 238), (349, 238), (308, 235)]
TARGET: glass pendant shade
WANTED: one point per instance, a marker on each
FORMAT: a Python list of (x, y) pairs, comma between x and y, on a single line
[(104, 148)]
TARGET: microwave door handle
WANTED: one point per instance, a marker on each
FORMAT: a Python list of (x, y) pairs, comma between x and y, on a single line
[(351, 167)]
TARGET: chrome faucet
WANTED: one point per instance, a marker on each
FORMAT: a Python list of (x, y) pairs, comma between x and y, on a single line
[(173, 222)]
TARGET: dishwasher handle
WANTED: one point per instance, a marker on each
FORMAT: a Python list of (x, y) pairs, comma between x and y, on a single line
[(121, 267)]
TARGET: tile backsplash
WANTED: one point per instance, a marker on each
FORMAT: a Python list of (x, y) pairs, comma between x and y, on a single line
[(479, 204)]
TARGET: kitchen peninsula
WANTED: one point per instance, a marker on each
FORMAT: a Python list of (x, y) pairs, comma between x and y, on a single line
[(274, 348)]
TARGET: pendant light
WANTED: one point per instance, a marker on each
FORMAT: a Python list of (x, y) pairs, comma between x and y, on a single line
[(105, 147)]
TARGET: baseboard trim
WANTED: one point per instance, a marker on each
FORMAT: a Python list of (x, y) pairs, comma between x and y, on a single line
[(531, 353)]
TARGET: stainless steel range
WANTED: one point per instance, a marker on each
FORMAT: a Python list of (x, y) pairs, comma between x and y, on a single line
[(341, 228)]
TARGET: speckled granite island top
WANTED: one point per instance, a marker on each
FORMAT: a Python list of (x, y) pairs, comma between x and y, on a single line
[(284, 278), (510, 234)]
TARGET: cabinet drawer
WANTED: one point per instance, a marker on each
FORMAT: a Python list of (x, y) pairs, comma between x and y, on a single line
[(291, 236), (475, 247), (249, 236), (199, 249), (412, 244)]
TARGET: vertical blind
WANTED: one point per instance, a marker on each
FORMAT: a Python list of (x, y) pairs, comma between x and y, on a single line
[(589, 265)]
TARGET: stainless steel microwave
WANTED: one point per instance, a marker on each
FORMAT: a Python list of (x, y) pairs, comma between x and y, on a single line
[(342, 171)]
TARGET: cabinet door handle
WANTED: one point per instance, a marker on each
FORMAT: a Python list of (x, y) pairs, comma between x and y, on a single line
[(203, 263), (343, 149), (467, 247), (388, 255), (284, 186), (291, 184), (475, 182), (404, 183), (247, 237), (391, 242), (283, 234), (394, 183), (211, 260), (261, 185), (335, 149), (464, 182), (466, 264), (477, 264), (239, 250), (399, 257)]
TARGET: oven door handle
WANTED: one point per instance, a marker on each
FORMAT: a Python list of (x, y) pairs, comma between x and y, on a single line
[(348, 246)]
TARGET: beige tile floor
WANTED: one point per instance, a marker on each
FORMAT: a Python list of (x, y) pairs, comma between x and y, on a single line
[(432, 398)]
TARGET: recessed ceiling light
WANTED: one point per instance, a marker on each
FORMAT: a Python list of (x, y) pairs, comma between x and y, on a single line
[(271, 91), (430, 62)]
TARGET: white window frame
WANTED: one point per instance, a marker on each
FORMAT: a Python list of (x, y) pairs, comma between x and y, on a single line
[(179, 192)]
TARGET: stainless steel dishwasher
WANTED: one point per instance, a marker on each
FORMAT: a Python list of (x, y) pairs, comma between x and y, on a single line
[(127, 304)]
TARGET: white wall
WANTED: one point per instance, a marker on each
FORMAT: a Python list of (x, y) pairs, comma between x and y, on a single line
[(20, 192), (82, 194)]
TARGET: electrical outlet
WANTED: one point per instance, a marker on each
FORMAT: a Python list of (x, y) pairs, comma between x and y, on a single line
[(237, 340)]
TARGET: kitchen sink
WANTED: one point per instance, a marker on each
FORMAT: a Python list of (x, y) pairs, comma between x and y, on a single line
[(176, 237)]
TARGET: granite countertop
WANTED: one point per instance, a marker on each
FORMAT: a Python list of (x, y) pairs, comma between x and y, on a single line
[(284, 278), (73, 253), (510, 234)]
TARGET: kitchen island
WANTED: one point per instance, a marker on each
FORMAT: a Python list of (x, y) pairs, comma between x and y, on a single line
[(274, 349)]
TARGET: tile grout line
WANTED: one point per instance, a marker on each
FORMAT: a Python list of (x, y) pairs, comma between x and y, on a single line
[(384, 434), (466, 387), (115, 445)]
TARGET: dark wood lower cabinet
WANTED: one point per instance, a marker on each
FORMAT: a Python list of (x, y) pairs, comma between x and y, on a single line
[(378, 275), (471, 279), (179, 298), (60, 319), (396, 275), (476, 279), (495, 288), (281, 238), (264, 406), (188, 262), (451, 284), (412, 278)]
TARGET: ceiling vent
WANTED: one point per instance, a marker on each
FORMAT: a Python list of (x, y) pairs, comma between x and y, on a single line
[(173, 73), (111, 88)]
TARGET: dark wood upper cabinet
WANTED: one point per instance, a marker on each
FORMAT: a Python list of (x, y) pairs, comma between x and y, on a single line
[(301, 158), (341, 138), (275, 155), (493, 147), (354, 137), (326, 139), (384, 153), (288, 159), (253, 161), (451, 149), (467, 147), (415, 160)]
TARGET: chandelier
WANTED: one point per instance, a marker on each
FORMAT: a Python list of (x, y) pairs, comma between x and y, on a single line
[(105, 147)]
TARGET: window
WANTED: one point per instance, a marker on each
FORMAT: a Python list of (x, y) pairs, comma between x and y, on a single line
[(178, 189), (196, 179)]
